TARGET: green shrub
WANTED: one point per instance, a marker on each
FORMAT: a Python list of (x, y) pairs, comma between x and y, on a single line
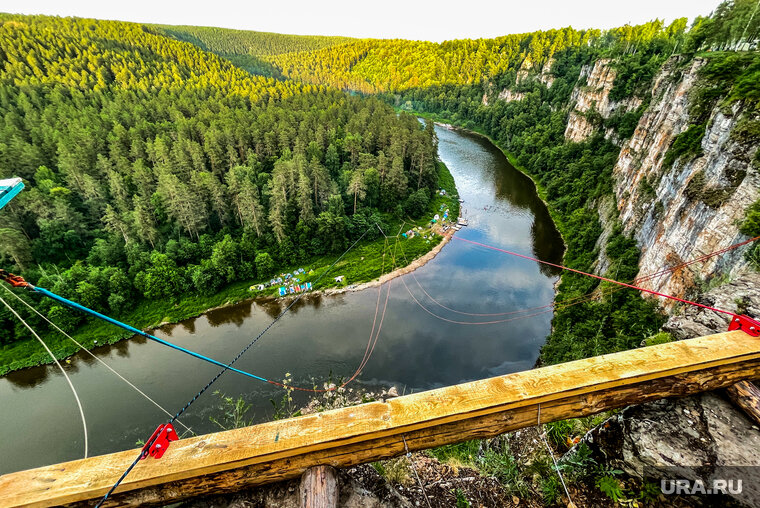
[(687, 144), (550, 489), (610, 487), (751, 224), (696, 185), (462, 501), (558, 432), (658, 338)]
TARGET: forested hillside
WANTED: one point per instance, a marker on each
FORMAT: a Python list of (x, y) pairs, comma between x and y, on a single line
[(392, 65), (246, 48), (157, 170), (162, 162)]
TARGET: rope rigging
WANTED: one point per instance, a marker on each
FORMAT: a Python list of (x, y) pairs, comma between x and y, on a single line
[(94, 356), (371, 342), (565, 303), (60, 367), (132, 329), (227, 367), (17, 281), (605, 279)]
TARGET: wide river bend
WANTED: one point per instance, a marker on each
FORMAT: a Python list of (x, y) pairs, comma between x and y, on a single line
[(416, 350)]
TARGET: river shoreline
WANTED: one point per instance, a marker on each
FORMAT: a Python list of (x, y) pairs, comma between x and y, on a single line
[(411, 266), (398, 272), (540, 191), (66, 351)]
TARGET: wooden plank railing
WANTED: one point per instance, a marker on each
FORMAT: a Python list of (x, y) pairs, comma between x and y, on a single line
[(284, 449)]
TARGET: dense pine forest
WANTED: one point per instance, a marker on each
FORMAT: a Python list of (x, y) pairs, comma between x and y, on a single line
[(158, 170), (457, 81), (248, 49)]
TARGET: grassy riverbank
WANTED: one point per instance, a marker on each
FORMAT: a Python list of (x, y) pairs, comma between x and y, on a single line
[(362, 264)]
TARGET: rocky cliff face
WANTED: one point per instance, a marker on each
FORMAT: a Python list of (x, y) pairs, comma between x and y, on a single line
[(692, 208), (678, 213), (594, 97), (526, 71), (693, 437)]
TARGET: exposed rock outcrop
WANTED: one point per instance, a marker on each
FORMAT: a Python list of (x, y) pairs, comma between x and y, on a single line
[(526, 71), (676, 214), (594, 97), (608, 218), (740, 295), (545, 76), (688, 438), (508, 95)]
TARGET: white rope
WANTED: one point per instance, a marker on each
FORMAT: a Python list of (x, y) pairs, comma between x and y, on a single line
[(556, 467), (147, 397), (414, 468), (73, 390)]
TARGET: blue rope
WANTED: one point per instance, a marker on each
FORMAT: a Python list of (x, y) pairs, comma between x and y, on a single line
[(134, 330)]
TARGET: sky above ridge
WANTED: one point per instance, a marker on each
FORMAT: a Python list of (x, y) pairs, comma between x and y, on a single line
[(408, 19)]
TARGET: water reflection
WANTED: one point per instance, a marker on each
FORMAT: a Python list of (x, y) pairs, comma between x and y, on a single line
[(235, 314), (28, 378)]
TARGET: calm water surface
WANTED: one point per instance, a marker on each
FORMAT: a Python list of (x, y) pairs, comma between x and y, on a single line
[(321, 335)]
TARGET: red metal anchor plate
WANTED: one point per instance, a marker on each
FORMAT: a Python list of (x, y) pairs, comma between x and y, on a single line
[(746, 324), (160, 440)]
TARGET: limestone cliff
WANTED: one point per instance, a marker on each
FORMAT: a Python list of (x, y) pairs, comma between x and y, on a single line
[(678, 210), (526, 71), (593, 97), (692, 208)]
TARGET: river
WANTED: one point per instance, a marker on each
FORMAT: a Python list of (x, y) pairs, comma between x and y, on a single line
[(416, 350)]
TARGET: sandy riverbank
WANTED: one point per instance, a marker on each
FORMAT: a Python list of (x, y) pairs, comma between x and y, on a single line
[(417, 263)]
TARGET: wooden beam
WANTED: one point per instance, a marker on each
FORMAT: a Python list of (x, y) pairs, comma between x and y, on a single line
[(746, 395), (284, 449), (319, 488)]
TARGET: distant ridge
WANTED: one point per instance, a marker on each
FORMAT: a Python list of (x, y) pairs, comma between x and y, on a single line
[(245, 48)]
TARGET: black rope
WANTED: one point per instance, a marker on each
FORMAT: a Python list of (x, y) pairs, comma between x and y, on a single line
[(225, 369)]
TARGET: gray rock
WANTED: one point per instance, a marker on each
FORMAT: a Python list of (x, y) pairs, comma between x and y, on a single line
[(689, 438), (740, 295)]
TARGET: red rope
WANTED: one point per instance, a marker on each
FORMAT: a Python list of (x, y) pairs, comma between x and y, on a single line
[(583, 298), (569, 303), (370, 344), (605, 279)]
